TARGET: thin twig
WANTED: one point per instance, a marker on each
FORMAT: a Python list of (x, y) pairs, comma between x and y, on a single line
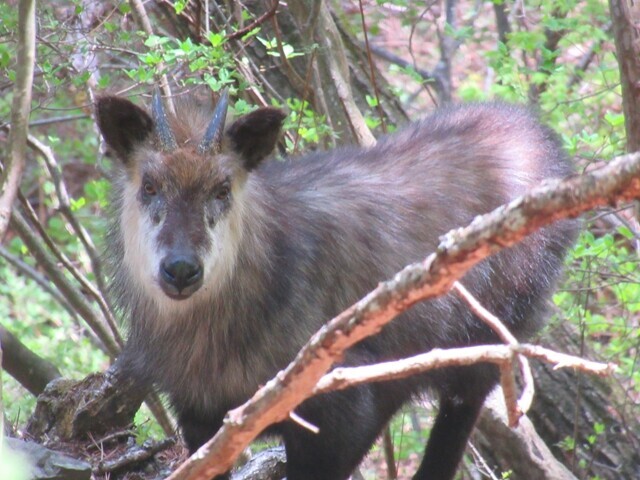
[(71, 293), (257, 22), (389, 456), (347, 377), (307, 80), (439, 84), (514, 408), (304, 423), (372, 72), (79, 230), (84, 282), (33, 274), (291, 74), (485, 315), (478, 458), (401, 62), (117, 436), (48, 121), (510, 391), (134, 456)]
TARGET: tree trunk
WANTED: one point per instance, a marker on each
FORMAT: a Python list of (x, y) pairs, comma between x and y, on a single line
[(569, 405), (30, 370), (519, 450), (566, 409), (99, 403), (625, 15)]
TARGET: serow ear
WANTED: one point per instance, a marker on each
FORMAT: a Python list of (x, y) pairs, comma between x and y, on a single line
[(253, 136), (123, 124)]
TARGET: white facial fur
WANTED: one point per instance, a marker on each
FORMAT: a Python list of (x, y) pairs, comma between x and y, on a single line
[(143, 254)]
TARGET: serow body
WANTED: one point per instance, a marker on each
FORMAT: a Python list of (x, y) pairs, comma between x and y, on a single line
[(225, 261)]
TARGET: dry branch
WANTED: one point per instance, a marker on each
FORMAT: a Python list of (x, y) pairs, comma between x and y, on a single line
[(72, 294), (65, 208), (11, 173), (526, 454), (514, 409), (134, 456), (458, 251), (256, 23), (30, 370), (341, 378), (28, 271)]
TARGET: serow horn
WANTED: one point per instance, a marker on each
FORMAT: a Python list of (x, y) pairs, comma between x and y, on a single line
[(167, 140), (213, 136)]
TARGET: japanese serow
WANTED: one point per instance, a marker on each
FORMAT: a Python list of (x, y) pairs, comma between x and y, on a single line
[(225, 261)]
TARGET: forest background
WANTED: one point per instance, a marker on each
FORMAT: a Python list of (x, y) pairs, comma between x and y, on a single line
[(346, 72)]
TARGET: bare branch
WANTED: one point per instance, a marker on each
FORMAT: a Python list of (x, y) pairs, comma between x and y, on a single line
[(70, 292), (487, 317), (389, 457), (30, 370), (401, 62), (345, 377), (515, 409), (134, 456), (33, 274), (502, 21), (303, 423), (586, 59), (82, 280), (256, 23), (48, 121), (81, 233), (11, 174), (371, 68), (524, 451)]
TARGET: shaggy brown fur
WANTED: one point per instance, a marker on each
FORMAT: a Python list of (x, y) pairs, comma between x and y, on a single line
[(225, 264)]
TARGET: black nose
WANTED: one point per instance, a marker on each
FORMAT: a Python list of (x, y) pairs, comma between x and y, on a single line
[(181, 271)]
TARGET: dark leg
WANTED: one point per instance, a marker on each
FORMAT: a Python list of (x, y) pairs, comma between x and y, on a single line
[(349, 422), (462, 394), (448, 439), (197, 430)]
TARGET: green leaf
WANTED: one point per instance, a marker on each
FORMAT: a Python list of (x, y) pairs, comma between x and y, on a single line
[(625, 232), (216, 39), (154, 41), (251, 33), (110, 27), (614, 119), (104, 82), (180, 5)]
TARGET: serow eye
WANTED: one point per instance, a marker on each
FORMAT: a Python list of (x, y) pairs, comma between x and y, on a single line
[(149, 189), (223, 193)]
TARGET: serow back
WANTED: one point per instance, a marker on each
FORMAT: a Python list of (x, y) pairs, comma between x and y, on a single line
[(225, 261)]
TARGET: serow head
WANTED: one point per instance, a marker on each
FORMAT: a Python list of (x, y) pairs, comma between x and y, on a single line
[(180, 188)]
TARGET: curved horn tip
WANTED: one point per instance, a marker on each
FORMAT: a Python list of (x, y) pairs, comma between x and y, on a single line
[(165, 135), (157, 108), (224, 95), (213, 136)]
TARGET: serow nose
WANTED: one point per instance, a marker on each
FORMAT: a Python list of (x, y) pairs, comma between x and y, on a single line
[(182, 274)]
